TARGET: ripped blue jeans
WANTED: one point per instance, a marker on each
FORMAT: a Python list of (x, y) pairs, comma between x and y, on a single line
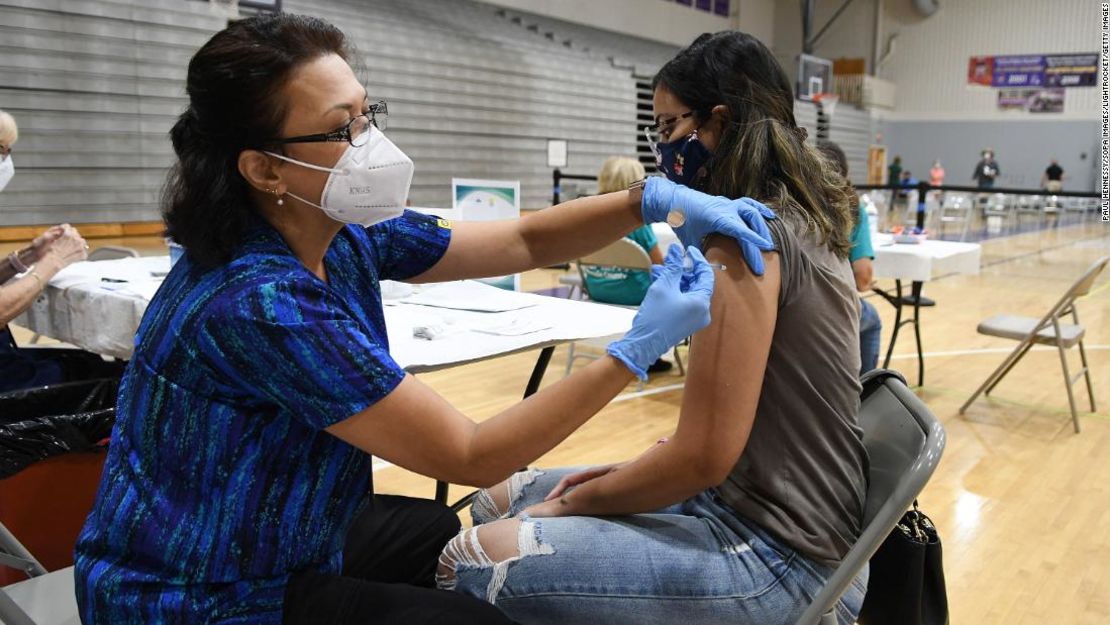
[(691, 563)]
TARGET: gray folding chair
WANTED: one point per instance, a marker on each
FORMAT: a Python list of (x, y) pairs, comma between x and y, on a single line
[(112, 252), (956, 209), (1001, 207), (44, 599), (623, 254), (904, 442), (1047, 330)]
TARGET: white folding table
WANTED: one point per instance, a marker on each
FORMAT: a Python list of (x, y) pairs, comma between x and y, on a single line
[(919, 263), (98, 306)]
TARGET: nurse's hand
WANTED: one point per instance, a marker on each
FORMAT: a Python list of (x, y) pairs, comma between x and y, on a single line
[(702, 215), (675, 307)]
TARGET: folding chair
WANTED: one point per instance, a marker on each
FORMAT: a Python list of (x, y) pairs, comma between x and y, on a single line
[(1047, 330), (956, 209), (904, 442), (44, 599), (622, 254), (1001, 207), (1036, 206), (112, 252), (574, 282)]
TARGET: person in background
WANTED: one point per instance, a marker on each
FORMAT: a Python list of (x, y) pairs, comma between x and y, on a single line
[(936, 174), (986, 170), (908, 181), (9, 134), (23, 276), (895, 171), (860, 255), (613, 285), (1053, 178)]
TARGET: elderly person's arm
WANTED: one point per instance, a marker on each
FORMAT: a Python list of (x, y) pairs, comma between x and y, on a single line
[(50, 253)]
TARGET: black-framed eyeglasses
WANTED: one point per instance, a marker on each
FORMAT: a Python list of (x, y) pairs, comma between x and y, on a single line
[(655, 131), (356, 132)]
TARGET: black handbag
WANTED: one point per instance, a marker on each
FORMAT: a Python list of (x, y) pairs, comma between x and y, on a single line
[(906, 584)]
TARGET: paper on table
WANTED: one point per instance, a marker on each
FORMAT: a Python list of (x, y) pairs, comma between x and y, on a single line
[(119, 270), (145, 289), (515, 327), (392, 290), (470, 295)]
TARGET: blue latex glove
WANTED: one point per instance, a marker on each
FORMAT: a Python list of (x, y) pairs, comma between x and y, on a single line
[(675, 307), (741, 219)]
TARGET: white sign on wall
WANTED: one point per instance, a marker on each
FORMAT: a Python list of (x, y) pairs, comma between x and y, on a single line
[(487, 200)]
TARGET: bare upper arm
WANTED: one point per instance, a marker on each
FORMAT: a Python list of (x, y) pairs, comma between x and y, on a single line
[(478, 249), (728, 359), (864, 274), (415, 428)]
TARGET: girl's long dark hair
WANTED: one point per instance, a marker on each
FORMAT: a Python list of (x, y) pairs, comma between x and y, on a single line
[(762, 153), (234, 86)]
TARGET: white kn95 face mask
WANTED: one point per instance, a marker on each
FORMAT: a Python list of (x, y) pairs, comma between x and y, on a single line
[(369, 184)]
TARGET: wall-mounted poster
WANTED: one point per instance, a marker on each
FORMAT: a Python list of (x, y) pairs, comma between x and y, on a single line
[(488, 200), (1034, 70), (1031, 100), (979, 70)]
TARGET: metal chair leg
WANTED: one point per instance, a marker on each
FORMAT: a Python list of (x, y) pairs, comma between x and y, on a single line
[(1067, 381), (1087, 375), (681, 367), (1010, 361), (570, 360), (995, 375)]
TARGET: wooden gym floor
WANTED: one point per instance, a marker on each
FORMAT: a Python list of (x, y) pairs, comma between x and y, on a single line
[(1021, 501)]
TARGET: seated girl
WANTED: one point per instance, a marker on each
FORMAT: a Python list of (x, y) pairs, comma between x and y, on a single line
[(743, 514)]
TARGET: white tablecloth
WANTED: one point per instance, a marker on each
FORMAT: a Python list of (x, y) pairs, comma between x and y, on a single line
[(903, 261), (923, 261), (79, 307), (86, 304)]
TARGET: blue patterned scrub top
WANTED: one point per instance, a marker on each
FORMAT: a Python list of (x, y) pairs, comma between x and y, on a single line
[(220, 480)]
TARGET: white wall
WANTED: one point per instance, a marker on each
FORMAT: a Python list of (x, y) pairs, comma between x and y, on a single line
[(650, 19), (757, 18), (851, 35), (929, 62), (929, 59)]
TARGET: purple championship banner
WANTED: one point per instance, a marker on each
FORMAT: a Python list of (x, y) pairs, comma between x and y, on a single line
[(1034, 70)]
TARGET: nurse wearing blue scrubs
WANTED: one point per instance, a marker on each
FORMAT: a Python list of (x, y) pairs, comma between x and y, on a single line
[(238, 484)]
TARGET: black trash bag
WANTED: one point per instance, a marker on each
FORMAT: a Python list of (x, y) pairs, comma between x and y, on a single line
[(58, 399), (40, 423)]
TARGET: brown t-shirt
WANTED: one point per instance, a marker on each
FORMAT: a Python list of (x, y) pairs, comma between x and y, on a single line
[(802, 475)]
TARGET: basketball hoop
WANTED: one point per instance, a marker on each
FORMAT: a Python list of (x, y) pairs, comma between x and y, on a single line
[(826, 102)]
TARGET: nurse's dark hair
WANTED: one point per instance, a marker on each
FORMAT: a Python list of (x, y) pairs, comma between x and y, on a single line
[(762, 153), (234, 85)]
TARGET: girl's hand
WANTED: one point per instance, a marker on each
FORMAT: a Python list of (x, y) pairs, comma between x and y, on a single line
[(576, 479)]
